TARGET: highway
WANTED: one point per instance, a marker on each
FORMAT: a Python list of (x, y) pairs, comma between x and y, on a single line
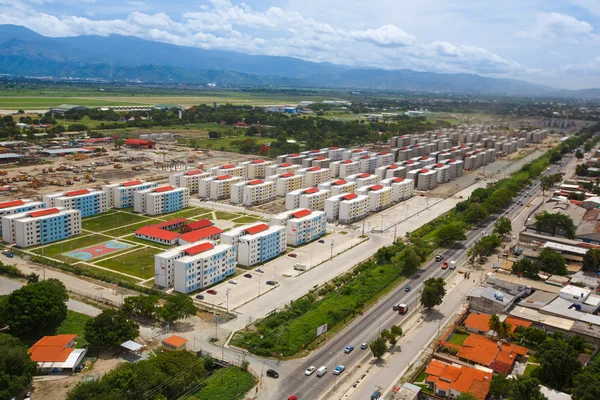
[(367, 327)]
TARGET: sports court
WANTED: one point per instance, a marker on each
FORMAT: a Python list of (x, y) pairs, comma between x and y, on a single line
[(98, 250)]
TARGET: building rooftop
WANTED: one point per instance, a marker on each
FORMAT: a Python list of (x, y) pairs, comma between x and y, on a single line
[(13, 203), (253, 230), (194, 172), (174, 341), (460, 378), (44, 212), (154, 232), (199, 234), (170, 222), (52, 348), (77, 192), (301, 213), (195, 225), (199, 248), (224, 177), (163, 189), (311, 190), (499, 356), (479, 322), (288, 175), (131, 183)]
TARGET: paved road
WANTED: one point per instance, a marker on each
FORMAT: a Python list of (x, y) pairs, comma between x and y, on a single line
[(380, 316), (7, 286)]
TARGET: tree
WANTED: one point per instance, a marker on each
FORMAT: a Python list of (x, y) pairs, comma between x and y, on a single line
[(110, 328), (579, 154), (119, 143), (213, 135), (586, 385), (525, 388), (140, 306), (252, 131), (552, 262), (378, 347), (411, 260), (502, 226), (177, 306), (558, 363), (494, 323), (16, 368), (475, 214), (396, 330), (499, 387), (504, 330), (450, 233), (591, 260), (37, 308), (555, 157), (32, 278), (581, 170), (554, 223), (465, 396), (433, 292), (528, 268)]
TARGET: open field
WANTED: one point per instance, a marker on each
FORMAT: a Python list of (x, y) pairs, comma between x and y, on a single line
[(138, 263), (17, 103), (74, 324), (56, 250), (225, 143), (125, 230), (107, 221)]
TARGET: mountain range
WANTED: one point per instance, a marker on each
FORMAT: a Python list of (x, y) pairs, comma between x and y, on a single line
[(122, 58)]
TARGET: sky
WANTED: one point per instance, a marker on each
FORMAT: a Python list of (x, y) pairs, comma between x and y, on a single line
[(554, 43)]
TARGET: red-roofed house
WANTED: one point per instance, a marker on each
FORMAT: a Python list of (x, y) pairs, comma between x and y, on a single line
[(140, 143), (170, 225), (157, 235), (207, 233), (449, 381), (499, 356), (56, 353), (195, 225)]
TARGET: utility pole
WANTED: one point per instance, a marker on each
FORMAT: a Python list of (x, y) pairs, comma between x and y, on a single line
[(331, 258), (363, 228), (227, 315)]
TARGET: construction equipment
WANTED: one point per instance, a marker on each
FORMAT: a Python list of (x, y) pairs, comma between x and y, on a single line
[(118, 166), (136, 168), (69, 182), (3, 172), (76, 178)]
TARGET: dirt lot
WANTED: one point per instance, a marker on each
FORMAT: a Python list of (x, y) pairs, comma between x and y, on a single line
[(58, 389)]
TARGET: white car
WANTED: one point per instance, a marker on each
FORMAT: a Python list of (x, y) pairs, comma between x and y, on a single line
[(233, 282), (309, 371), (339, 369)]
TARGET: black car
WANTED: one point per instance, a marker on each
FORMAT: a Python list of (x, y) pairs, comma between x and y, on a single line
[(272, 373), (272, 283), (200, 296), (247, 275)]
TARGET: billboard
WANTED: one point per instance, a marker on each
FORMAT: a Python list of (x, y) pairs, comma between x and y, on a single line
[(321, 330)]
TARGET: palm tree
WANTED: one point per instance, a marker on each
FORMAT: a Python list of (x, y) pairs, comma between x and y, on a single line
[(504, 331), (495, 324)]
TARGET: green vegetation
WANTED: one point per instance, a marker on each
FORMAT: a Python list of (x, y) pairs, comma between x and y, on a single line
[(225, 215), (149, 243), (126, 230), (189, 212), (56, 249), (16, 103), (554, 223), (137, 263), (110, 221), (433, 292), (229, 383), (16, 368), (246, 220), (458, 338), (74, 324), (531, 370), (109, 329)]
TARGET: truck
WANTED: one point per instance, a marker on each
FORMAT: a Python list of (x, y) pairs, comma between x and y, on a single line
[(300, 267), (402, 308), (452, 265)]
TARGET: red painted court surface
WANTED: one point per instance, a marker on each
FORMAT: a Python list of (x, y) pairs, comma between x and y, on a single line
[(98, 250)]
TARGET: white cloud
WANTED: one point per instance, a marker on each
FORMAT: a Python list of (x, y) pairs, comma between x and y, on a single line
[(387, 35), (558, 27)]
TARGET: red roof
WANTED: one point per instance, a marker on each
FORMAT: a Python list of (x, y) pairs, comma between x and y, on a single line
[(453, 160), (287, 174), (227, 166), (256, 182), (223, 177), (253, 230), (424, 171), (315, 169), (163, 189), (320, 158), (398, 179), (199, 248), (366, 157), (154, 232), (139, 142), (376, 187), (357, 151), (393, 166), (403, 148), (258, 161), (175, 341), (311, 190), (52, 348), (424, 157), (439, 165), (339, 182), (350, 196), (365, 175), (77, 192), (41, 213), (334, 148), (203, 223), (285, 165), (383, 153), (171, 222), (194, 172), (301, 213), (13, 203), (200, 234), (410, 162), (347, 161), (294, 155), (131, 183)]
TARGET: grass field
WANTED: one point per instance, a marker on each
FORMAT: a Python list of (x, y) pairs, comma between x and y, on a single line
[(225, 215), (189, 212), (55, 250), (530, 369), (245, 220), (90, 123), (133, 239), (74, 324), (224, 143), (131, 228), (458, 338), (17, 103), (111, 221), (138, 263), (230, 383)]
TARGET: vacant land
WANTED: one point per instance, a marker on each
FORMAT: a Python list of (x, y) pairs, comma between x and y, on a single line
[(110, 221), (74, 324), (138, 263), (230, 383), (38, 103)]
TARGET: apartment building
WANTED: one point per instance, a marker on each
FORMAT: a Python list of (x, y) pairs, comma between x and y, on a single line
[(339, 186), (353, 208), (314, 175), (363, 179), (380, 197), (288, 182), (257, 169), (313, 199), (256, 243), (321, 161), (230, 170), (203, 265), (456, 168), (188, 179), (161, 200), (354, 154), (120, 195), (164, 265), (384, 158), (427, 179), (218, 187), (88, 201), (302, 225), (41, 226), (368, 164), (402, 189), (295, 159), (396, 171), (19, 206), (347, 168), (237, 192), (427, 161), (443, 173), (283, 168), (257, 192), (336, 153)]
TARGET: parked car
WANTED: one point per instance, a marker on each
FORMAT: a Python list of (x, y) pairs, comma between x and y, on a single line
[(348, 349), (292, 398), (200, 296), (233, 282), (407, 288), (211, 291), (445, 265), (262, 271), (310, 370), (247, 275), (321, 241), (272, 283), (339, 369), (364, 346), (292, 255), (8, 253), (439, 257), (272, 373)]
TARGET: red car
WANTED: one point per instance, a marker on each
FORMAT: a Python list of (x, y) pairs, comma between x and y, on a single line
[(211, 291), (445, 265)]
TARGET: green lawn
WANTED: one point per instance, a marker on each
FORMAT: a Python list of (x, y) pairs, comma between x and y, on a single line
[(530, 369), (245, 220), (138, 263), (55, 250), (126, 230), (111, 221), (90, 123), (104, 275), (186, 213), (422, 376), (133, 239), (74, 324), (225, 215), (458, 338), (230, 383)]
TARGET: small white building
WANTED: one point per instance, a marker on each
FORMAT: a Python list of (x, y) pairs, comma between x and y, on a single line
[(217, 187), (256, 243), (402, 189), (302, 225), (257, 169), (253, 192), (427, 179)]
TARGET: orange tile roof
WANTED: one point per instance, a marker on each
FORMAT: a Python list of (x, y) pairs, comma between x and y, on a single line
[(131, 183), (52, 348), (13, 203), (203, 223), (459, 378), (228, 166), (285, 165), (516, 322), (484, 351), (311, 190), (256, 182), (170, 222), (315, 169), (478, 322), (258, 161), (350, 196), (339, 182), (194, 172), (44, 212), (365, 175), (347, 161), (175, 341)]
